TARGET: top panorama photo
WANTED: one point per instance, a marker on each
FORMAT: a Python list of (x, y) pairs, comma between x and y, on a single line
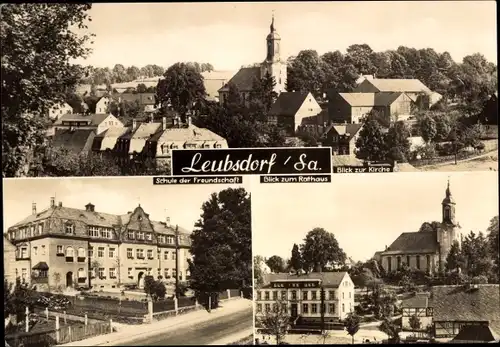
[(88, 93)]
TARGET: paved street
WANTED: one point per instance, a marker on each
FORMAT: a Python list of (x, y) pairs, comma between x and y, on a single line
[(201, 333)]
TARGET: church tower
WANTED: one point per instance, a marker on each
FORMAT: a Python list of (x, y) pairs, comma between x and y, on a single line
[(450, 229), (273, 63)]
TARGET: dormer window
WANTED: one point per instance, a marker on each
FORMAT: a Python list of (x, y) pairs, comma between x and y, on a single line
[(140, 235), (149, 236), (131, 235), (69, 228)]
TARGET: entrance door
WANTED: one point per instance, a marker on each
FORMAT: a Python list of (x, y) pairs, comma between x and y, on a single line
[(69, 279), (294, 313), (140, 280)]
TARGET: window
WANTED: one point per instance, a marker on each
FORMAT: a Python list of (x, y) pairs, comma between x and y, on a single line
[(399, 262), (70, 254), (284, 308), (331, 308), (112, 272), (174, 273), (111, 253), (283, 295), (268, 307), (349, 295), (304, 295), (94, 231), (69, 228), (343, 308), (35, 250), (314, 308), (100, 252), (275, 295), (173, 255), (342, 295), (259, 308), (101, 272), (140, 235), (91, 252), (162, 238), (294, 295), (105, 233), (139, 253), (165, 255), (81, 254), (332, 295), (40, 229), (131, 235), (32, 231), (313, 295), (129, 253), (24, 273), (149, 236), (166, 273), (305, 308), (81, 273), (266, 295), (170, 240), (129, 272), (418, 262), (150, 254), (23, 253)]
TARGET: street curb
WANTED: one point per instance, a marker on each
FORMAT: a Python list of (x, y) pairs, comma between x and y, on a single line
[(234, 338), (109, 341)]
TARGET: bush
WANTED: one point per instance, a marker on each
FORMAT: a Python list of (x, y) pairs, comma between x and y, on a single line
[(480, 280)]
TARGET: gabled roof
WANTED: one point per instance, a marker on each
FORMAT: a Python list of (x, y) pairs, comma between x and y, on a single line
[(92, 119), (476, 333), (350, 129), (143, 98), (244, 79), (415, 242), (370, 99), (419, 300), (73, 140), (328, 279), (398, 85), (288, 103), (185, 133), (458, 303), (346, 160)]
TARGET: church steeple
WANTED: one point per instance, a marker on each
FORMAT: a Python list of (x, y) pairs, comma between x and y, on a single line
[(273, 44), (272, 24), (448, 206)]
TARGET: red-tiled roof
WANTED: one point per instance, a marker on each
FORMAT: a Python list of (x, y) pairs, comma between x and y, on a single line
[(328, 279), (459, 303), (415, 242), (244, 79), (288, 103)]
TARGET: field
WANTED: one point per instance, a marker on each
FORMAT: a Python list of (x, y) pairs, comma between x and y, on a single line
[(487, 162)]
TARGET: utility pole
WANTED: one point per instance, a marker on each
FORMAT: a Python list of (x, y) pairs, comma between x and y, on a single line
[(177, 262)]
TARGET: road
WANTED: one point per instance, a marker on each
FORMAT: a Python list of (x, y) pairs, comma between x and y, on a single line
[(202, 333)]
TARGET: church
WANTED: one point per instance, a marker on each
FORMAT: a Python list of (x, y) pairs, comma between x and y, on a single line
[(245, 77), (424, 250)]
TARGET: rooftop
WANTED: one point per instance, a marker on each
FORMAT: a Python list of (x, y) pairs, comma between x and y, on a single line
[(288, 103), (398, 85), (243, 79), (413, 242), (328, 279)]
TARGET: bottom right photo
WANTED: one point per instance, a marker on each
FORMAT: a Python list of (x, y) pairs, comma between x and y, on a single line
[(378, 258)]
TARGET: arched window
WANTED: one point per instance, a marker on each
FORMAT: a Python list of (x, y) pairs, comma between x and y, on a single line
[(81, 254), (447, 212), (70, 254)]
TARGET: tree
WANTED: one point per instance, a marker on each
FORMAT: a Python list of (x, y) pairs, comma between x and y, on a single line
[(154, 288), (263, 91), (276, 264), (304, 73), (415, 323), (454, 259), (182, 87), (428, 129), (392, 330), (276, 321), (133, 73), (371, 143), (321, 249), (38, 41), (141, 88), (119, 73), (296, 259), (475, 251), (493, 243), (351, 324), (16, 297), (360, 56), (430, 227), (221, 243), (258, 275), (398, 142)]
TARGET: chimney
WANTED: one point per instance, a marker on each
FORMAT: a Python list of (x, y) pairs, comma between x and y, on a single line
[(89, 207), (189, 120), (60, 203), (52, 202), (33, 208), (134, 124), (167, 222), (164, 123)]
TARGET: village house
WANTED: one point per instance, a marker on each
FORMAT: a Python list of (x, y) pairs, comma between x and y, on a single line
[(133, 142), (57, 111), (146, 101), (290, 108), (61, 247), (341, 138), (419, 93), (301, 295), (425, 250), (418, 305), (213, 81), (459, 306), (13, 266), (244, 79), (102, 105), (355, 107)]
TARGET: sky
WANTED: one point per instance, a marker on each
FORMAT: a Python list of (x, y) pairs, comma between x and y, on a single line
[(182, 203), (366, 212), (229, 35)]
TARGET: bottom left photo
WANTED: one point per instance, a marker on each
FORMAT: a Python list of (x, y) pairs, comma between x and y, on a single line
[(122, 262)]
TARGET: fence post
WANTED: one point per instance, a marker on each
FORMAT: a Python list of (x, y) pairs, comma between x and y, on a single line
[(64, 312), (210, 302), (150, 311), (241, 293), (110, 325), (176, 305), (47, 313), (69, 333), (27, 319), (196, 303), (57, 329), (86, 320), (228, 293)]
